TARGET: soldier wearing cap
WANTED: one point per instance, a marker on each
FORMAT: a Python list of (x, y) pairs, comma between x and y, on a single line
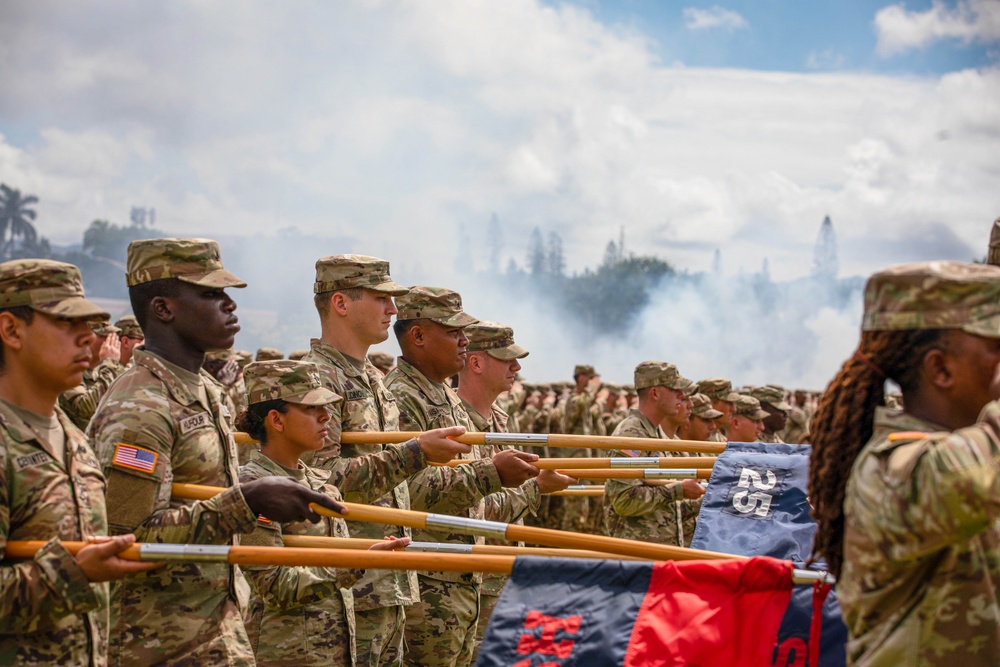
[(907, 500), (268, 354), (993, 256), (490, 370), (613, 412), (720, 391), (296, 615), (747, 422), (441, 628), (161, 422), (576, 412), (353, 295), (797, 428), (54, 607), (634, 509), (130, 337), (297, 355), (80, 402), (772, 401), (382, 361), (222, 366), (702, 425)]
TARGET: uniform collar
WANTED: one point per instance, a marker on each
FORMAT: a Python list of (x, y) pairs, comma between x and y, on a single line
[(437, 393), (170, 374)]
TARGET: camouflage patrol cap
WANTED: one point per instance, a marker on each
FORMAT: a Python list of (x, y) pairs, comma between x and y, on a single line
[(495, 339), (130, 326), (613, 387), (243, 357), (103, 328), (219, 355), (268, 354), (659, 374), (772, 395), (629, 389), (292, 381), (719, 389), (381, 360), (703, 407), (583, 369), (196, 261), (934, 295), (748, 406), (340, 272), (993, 257), (437, 304), (295, 355), (53, 288)]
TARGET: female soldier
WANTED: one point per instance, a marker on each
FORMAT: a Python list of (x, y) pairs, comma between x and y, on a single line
[(907, 500)]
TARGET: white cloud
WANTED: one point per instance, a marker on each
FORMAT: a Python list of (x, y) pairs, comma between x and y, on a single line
[(714, 17), (901, 30)]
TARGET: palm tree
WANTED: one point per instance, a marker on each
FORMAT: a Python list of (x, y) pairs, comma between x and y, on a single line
[(16, 216)]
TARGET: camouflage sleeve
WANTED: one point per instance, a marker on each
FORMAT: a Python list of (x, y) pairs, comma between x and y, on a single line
[(412, 416), (106, 372), (575, 411), (140, 502), (630, 497), (445, 490), (80, 403), (944, 489), (509, 505), (36, 594)]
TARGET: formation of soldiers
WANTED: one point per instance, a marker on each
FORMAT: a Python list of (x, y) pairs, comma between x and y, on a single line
[(156, 398)]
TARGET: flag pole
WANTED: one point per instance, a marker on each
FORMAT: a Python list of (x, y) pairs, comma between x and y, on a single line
[(665, 462)]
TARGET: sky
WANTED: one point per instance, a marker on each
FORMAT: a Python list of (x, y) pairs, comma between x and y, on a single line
[(400, 128)]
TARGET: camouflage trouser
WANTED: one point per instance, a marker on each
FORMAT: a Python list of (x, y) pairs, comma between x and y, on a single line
[(441, 628), (379, 636), (486, 605), (689, 509)]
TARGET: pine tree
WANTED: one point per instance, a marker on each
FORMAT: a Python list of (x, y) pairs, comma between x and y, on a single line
[(556, 262), (536, 253), (825, 264)]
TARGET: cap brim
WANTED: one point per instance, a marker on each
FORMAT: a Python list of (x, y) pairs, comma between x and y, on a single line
[(390, 287), (73, 308), (988, 327), (318, 396), (218, 278), (781, 405), (508, 353), (685, 385), (760, 414), (709, 414), (458, 320)]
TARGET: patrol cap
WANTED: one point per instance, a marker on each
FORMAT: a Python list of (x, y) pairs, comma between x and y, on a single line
[(659, 374), (295, 355), (613, 387), (629, 389), (772, 395), (196, 261), (437, 304), (243, 357), (748, 406), (53, 288), (268, 354), (381, 360), (129, 326), (583, 369), (340, 272), (220, 355), (719, 389), (934, 295), (103, 328), (292, 381), (495, 339), (703, 407), (994, 253)]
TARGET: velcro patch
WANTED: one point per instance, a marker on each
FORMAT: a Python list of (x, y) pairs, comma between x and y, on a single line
[(31, 460), (263, 519), (135, 458), (355, 394), (189, 424)]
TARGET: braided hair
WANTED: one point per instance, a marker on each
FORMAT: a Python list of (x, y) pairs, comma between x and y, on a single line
[(843, 423)]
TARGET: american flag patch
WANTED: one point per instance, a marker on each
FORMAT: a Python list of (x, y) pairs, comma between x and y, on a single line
[(263, 519), (136, 458)]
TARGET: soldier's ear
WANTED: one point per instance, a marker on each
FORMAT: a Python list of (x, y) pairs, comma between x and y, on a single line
[(338, 303), (12, 330), (161, 308), (275, 420)]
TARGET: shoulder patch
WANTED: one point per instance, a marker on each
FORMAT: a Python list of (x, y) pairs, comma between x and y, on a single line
[(901, 436), (189, 424), (135, 458), (31, 460)]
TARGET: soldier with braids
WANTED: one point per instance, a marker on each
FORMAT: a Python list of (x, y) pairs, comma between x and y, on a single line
[(908, 501)]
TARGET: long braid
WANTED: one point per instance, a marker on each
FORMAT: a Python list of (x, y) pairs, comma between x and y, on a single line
[(843, 424)]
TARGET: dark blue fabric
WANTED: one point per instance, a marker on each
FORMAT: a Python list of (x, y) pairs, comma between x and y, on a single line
[(606, 595), (756, 505)]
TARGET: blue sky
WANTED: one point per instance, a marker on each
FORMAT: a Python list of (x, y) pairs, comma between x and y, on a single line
[(786, 35)]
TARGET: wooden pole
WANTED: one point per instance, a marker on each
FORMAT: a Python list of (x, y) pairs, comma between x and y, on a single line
[(510, 532), (665, 462), (649, 473)]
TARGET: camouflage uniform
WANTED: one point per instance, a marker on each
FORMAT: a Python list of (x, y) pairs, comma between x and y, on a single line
[(184, 612), (718, 389), (577, 419), (775, 397), (297, 615), (268, 354), (993, 255), (50, 613), (371, 474)]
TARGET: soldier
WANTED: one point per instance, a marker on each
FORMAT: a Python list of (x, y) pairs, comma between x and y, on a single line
[(296, 355), (577, 417), (907, 501), (441, 628), (297, 615), (747, 423), (720, 391), (614, 412), (382, 361), (702, 425), (163, 422), (490, 370), (54, 608), (222, 366), (130, 337), (353, 296), (798, 418), (80, 402), (772, 401), (634, 509), (993, 256), (268, 354)]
